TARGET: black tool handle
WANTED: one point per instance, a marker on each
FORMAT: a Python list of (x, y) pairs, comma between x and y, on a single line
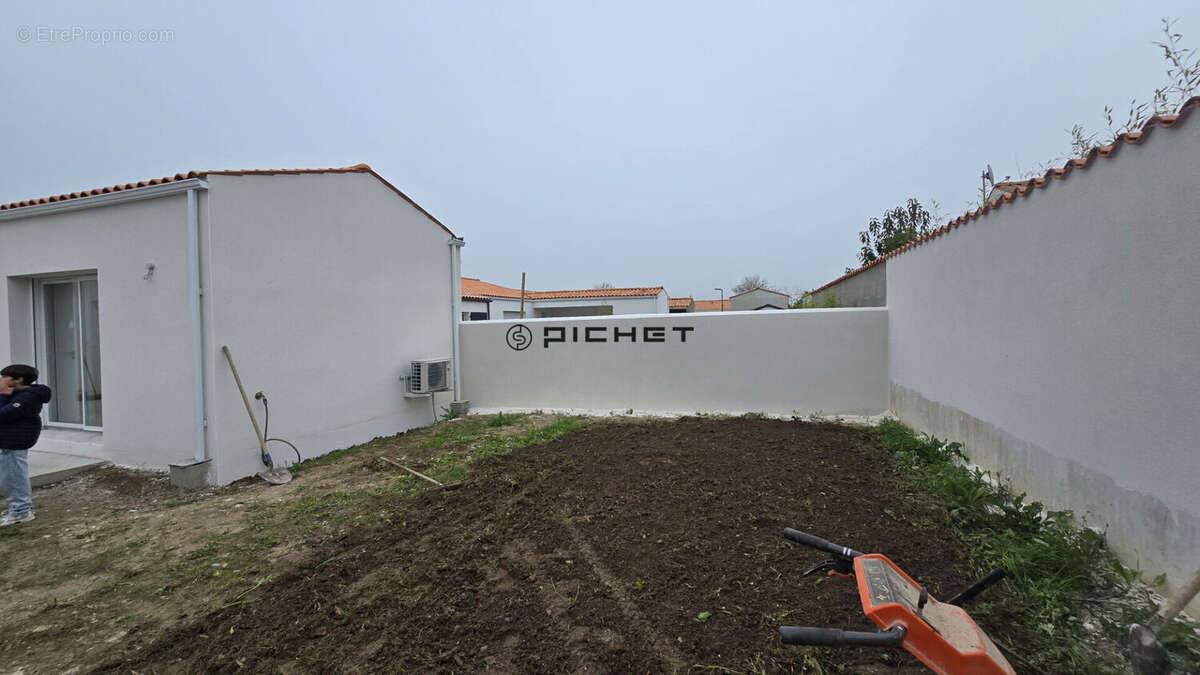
[(836, 637), (978, 587), (819, 543)]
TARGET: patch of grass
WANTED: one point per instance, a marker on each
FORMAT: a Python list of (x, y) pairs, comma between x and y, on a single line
[(327, 458), (459, 433), (471, 440), (502, 420), (1056, 568)]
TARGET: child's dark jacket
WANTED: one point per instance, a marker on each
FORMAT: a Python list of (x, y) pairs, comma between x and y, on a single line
[(20, 421)]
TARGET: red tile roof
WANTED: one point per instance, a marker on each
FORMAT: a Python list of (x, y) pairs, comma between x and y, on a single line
[(639, 291), (679, 303), (711, 305), (357, 168), (482, 289), (1026, 188)]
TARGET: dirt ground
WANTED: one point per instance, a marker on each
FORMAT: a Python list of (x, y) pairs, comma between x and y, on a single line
[(628, 546)]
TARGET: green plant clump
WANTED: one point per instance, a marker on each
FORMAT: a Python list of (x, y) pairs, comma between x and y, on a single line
[(1055, 567)]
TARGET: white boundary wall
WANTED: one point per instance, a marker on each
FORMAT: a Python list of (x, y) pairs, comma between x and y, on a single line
[(831, 362), (1058, 338)]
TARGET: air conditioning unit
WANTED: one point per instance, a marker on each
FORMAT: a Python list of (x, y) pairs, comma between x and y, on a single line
[(429, 375)]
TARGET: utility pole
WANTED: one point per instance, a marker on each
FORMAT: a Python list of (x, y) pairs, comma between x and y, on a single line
[(522, 295), (722, 297)]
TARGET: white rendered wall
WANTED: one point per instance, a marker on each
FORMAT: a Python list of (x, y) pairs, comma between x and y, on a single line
[(1059, 338), (865, 289), (502, 305), (810, 361), (145, 325), (325, 286), (469, 306)]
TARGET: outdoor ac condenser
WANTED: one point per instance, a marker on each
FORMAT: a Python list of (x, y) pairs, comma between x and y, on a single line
[(429, 375)]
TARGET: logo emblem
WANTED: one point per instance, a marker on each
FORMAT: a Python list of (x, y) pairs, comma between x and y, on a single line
[(519, 337)]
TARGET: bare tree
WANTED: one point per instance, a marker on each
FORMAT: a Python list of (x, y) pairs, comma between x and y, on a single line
[(749, 283)]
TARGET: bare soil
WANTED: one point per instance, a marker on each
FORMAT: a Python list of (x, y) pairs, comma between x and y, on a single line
[(629, 546)]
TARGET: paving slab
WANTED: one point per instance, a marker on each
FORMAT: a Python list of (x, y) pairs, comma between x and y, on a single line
[(50, 467)]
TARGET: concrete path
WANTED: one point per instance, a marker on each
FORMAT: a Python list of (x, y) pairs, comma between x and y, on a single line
[(49, 467)]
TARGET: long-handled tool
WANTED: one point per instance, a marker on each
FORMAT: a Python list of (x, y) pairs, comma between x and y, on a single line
[(1148, 655), (418, 474), (276, 475)]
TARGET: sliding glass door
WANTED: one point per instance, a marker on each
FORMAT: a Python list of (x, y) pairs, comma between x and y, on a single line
[(69, 351)]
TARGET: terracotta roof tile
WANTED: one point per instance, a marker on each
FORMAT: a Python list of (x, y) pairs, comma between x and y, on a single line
[(711, 305), (1026, 188), (482, 289), (598, 293), (357, 168), (679, 303)]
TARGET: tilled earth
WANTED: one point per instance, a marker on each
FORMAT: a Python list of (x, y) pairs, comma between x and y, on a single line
[(625, 547)]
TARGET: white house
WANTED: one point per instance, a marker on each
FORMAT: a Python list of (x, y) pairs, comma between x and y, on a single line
[(505, 303), (758, 298), (325, 284)]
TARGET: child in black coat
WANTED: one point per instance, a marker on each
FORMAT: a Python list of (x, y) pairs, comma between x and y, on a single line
[(21, 401)]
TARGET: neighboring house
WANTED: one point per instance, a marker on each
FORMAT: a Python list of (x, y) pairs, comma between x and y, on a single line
[(505, 303), (710, 306), (866, 286), (681, 305), (758, 298), (325, 284), (863, 287)]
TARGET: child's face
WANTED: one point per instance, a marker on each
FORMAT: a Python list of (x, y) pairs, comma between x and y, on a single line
[(10, 383)]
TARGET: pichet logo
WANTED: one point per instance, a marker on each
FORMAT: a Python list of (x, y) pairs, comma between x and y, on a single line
[(519, 337)]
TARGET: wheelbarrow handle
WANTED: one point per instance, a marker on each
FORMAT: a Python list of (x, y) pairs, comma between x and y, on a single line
[(836, 637), (813, 541)]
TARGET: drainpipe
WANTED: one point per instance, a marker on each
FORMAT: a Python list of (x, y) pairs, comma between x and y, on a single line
[(456, 244), (195, 291)]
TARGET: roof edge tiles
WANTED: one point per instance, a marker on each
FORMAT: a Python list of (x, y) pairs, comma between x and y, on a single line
[(759, 288), (475, 287), (1026, 188), (632, 292), (357, 168)]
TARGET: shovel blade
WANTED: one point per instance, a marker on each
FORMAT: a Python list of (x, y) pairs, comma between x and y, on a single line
[(1147, 654), (276, 475)]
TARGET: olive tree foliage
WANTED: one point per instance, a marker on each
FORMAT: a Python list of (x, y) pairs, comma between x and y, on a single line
[(899, 226), (1182, 83)]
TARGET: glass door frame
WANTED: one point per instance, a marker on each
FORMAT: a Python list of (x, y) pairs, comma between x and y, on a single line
[(42, 349)]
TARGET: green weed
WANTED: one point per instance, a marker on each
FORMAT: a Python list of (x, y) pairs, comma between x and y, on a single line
[(1055, 568), (502, 420)]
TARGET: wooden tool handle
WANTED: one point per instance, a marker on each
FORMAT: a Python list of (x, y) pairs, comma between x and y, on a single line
[(1177, 602), (262, 442)]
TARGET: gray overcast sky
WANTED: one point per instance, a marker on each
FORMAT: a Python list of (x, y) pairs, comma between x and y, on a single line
[(686, 144)]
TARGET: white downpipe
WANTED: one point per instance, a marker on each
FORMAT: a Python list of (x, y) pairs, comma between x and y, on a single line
[(456, 245), (200, 450)]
